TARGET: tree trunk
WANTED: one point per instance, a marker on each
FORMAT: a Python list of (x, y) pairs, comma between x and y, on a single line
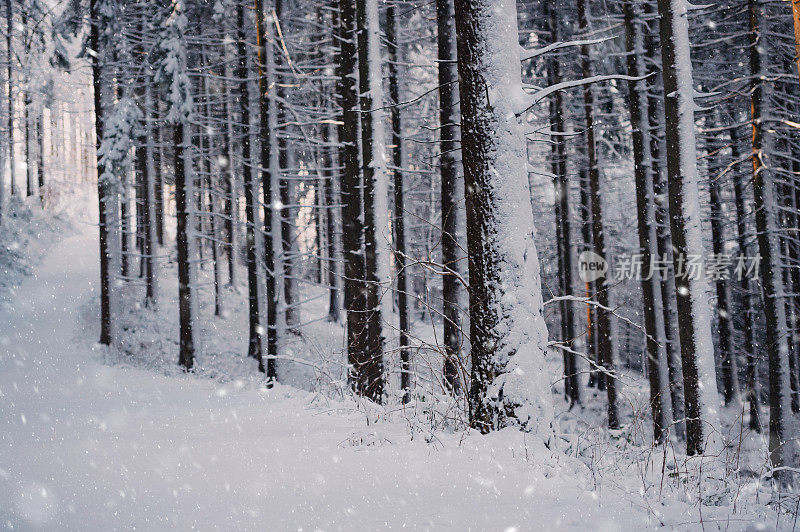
[(753, 386), (376, 193), (658, 373), (729, 370), (270, 172), (507, 329), (697, 350), (655, 112), (331, 201), (450, 175), (765, 205), (183, 195), (395, 58), (606, 331), (254, 346), (355, 293), (10, 86), (105, 201)]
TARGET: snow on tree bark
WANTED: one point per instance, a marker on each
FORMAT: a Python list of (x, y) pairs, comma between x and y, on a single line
[(174, 74), (658, 372), (697, 349), (782, 449), (375, 177), (507, 329)]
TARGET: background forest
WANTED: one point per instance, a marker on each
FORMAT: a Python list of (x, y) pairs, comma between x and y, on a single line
[(394, 211)]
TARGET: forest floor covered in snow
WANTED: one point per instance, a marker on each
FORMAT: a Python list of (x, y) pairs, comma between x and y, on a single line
[(102, 439)]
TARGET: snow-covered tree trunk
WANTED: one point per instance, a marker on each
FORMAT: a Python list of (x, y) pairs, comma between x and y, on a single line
[(694, 318), (355, 293), (781, 443), (375, 174), (507, 330), (658, 372), (331, 200), (149, 208), (655, 113), (231, 204), (104, 192), (174, 73)]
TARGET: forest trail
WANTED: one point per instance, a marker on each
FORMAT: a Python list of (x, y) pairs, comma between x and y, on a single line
[(88, 446)]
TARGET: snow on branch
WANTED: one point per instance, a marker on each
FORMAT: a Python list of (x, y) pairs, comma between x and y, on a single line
[(536, 52), (547, 91)]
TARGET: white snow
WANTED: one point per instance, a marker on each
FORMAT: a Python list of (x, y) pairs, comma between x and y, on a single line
[(87, 446)]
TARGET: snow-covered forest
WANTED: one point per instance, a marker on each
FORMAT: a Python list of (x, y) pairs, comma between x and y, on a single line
[(399, 264)]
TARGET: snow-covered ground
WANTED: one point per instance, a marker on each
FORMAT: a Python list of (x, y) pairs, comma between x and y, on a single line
[(88, 445)]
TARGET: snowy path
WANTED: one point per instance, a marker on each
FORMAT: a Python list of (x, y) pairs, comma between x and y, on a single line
[(86, 446)]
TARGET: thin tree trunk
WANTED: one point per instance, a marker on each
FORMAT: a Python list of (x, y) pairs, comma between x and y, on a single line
[(607, 341), (148, 208), (103, 193), (655, 112), (158, 179), (331, 200), (563, 210), (660, 398), (450, 175), (183, 195), (40, 151), (269, 178), (395, 57), (10, 87), (254, 346), (729, 370), (765, 205), (753, 386)]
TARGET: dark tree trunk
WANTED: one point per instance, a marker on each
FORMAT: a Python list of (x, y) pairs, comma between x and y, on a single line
[(331, 210), (449, 171), (355, 293), (655, 112), (764, 203), (563, 210), (254, 346), (267, 121), (373, 363), (660, 402), (395, 56), (40, 158), (158, 180), (182, 199), (10, 86), (102, 186), (606, 340), (729, 372), (753, 386)]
